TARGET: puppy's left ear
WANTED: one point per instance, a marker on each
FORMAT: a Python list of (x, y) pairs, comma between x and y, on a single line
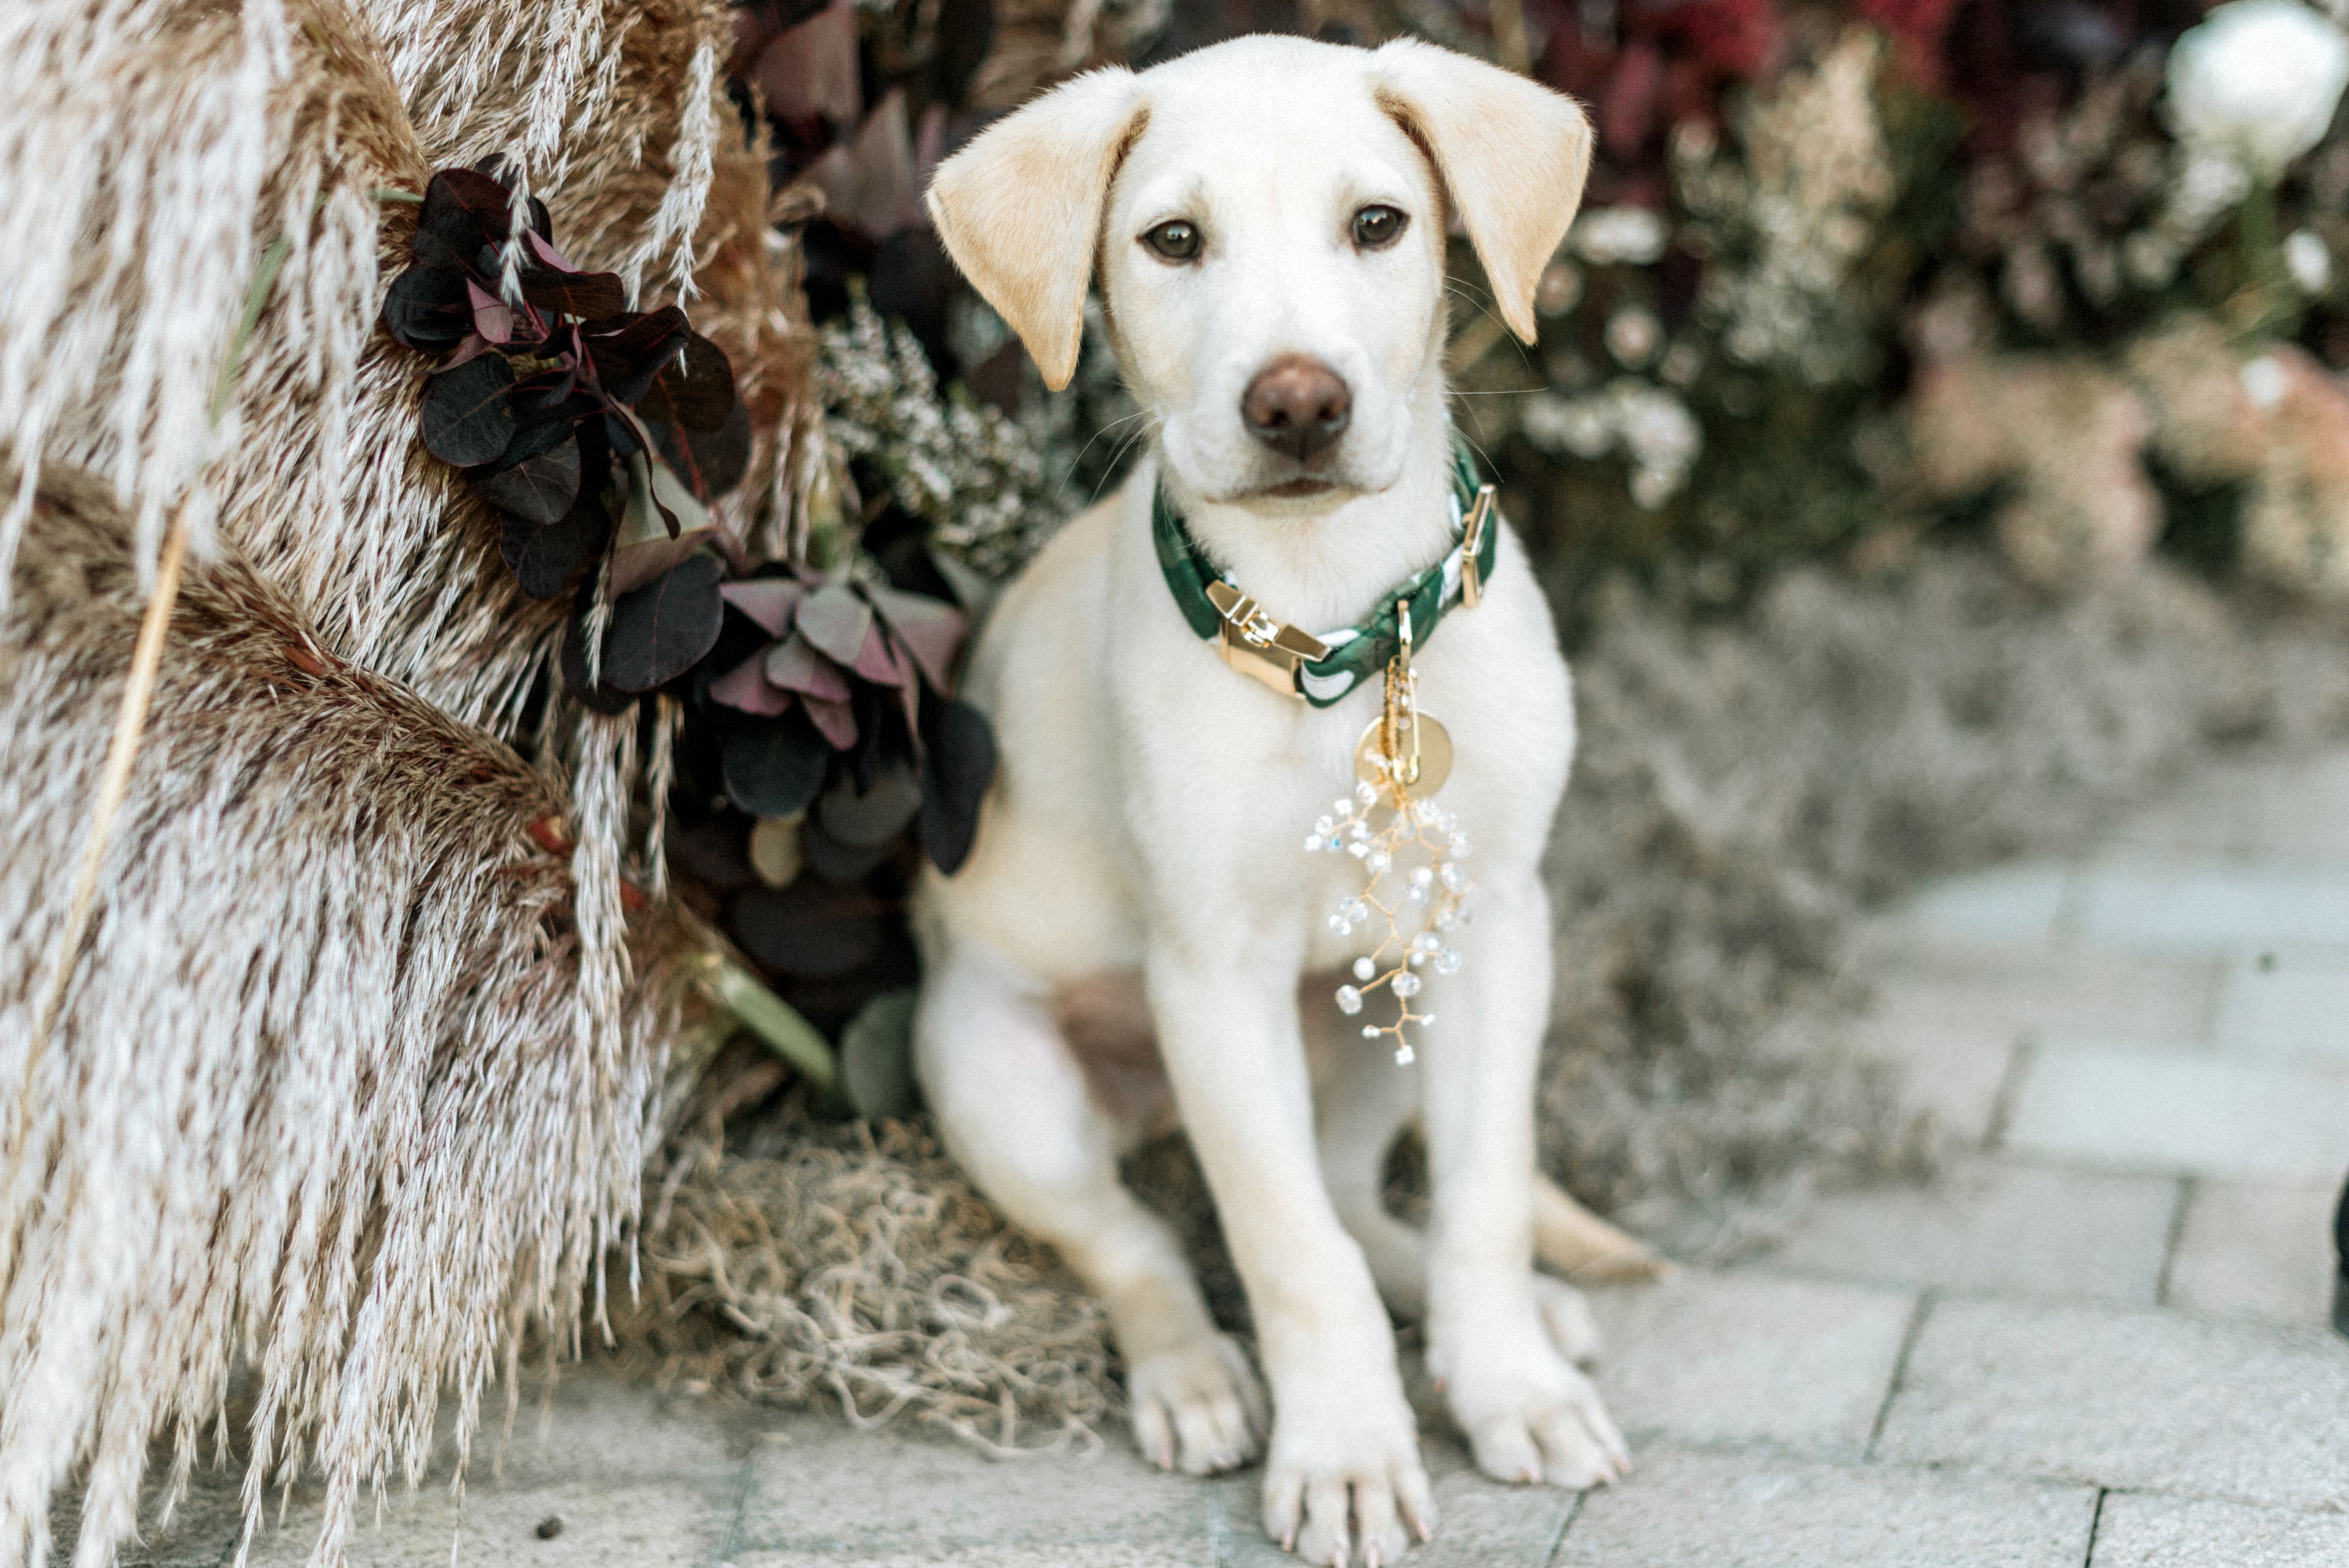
[(1512, 155), (1019, 209)]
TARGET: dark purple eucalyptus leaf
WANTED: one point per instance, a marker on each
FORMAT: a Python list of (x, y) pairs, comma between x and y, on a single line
[(539, 219), (875, 814), (493, 319), (628, 349), (424, 308), (466, 420), (539, 486), (810, 929), (716, 851), (541, 249), (955, 772), (467, 209), (583, 294), (710, 462), (773, 766), (545, 556), (663, 628), (695, 389), (838, 861), (606, 700)]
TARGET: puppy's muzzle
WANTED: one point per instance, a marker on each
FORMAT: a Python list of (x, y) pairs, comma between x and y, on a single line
[(1298, 406)]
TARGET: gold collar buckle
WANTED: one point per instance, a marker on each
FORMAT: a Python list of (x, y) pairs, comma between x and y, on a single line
[(1255, 642)]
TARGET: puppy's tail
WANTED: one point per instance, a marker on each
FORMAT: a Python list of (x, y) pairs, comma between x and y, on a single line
[(1584, 1247)]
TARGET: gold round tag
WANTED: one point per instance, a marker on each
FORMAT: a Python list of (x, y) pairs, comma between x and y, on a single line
[(1434, 757)]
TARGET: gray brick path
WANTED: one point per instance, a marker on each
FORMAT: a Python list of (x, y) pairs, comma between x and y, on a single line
[(2097, 1341)]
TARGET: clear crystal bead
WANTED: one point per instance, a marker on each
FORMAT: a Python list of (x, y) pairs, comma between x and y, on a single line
[(1354, 909), (1460, 845), (1324, 826), (1425, 812), (1378, 860), (1418, 894), (1406, 984), (1365, 970), (1445, 920), (1420, 876), (1342, 926), (1425, 942), (1453, 877), (1350, 1001), (1365, 794), (1448, 961)]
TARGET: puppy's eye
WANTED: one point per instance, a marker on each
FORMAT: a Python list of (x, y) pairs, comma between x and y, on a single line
[(1376, 227), (1174, 240)]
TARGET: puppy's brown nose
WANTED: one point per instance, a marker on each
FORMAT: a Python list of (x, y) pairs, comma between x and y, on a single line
[(1296, 405)]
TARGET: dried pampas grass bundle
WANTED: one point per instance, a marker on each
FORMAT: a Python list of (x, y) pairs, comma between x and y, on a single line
[(324, 1089)]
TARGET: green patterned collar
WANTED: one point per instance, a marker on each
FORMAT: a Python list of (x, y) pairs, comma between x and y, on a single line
[(1324, 669)]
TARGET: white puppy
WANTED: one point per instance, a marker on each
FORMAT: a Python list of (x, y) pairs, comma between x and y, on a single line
[(1266, 219)]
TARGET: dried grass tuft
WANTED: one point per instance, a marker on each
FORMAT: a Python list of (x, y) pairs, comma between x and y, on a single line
[(857, 1266)]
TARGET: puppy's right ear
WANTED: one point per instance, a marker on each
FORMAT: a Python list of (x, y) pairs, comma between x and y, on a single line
[(1019, 209)]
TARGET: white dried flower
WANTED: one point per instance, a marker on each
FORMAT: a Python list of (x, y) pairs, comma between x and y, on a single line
[(1634, 336), (2310, 263), (1632, 235), (2257, 82)]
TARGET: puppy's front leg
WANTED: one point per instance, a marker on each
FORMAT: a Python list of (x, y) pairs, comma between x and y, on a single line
[(1528, 1413), (1343, 1441)]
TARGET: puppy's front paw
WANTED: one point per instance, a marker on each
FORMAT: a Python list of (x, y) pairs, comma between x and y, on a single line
[(1345, 1479), (1197, 1408), (1530, 1416)]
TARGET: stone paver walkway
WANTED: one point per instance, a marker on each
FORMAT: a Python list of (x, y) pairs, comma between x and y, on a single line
[(2098, 1341)]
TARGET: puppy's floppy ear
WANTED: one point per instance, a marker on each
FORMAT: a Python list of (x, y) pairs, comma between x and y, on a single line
[(1512, 155), (1019, 209)]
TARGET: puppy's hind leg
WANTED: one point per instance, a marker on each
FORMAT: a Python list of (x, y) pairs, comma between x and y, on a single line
[(1012, 1104)]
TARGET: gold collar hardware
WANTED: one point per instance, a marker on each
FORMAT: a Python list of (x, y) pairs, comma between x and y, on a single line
[(1256, 644), (1472, 547)]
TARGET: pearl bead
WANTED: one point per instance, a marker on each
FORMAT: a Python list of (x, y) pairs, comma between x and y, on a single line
[(1365, 970), (1342, 926), (1371, 1031)]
